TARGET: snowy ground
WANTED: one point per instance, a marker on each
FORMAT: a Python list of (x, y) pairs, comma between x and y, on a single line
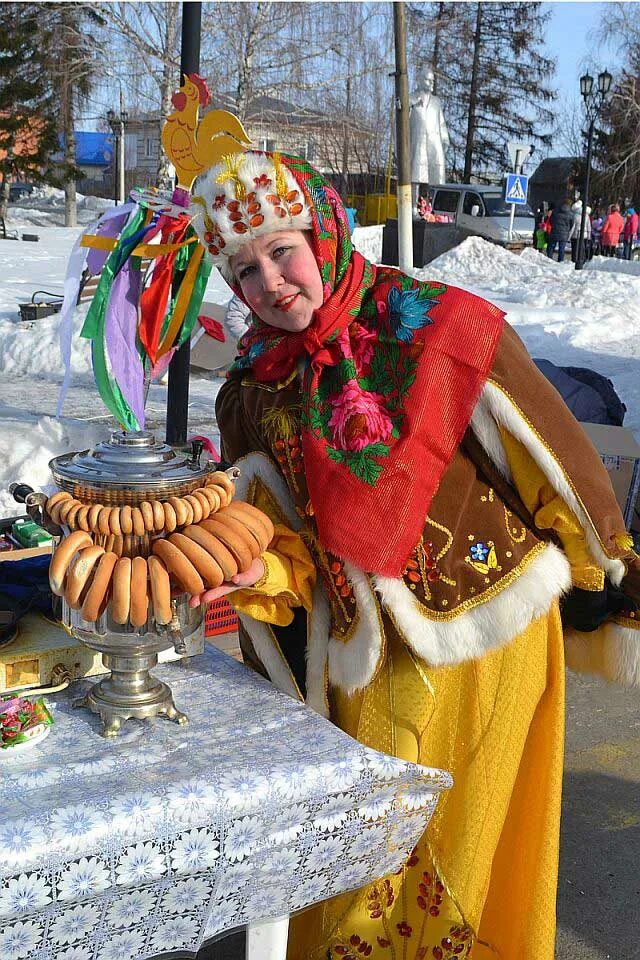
[(587, 318)]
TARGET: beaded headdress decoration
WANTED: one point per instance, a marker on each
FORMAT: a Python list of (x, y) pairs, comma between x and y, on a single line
[(245, 196)]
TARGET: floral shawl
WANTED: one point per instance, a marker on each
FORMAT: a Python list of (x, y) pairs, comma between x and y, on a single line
[(393, 369)]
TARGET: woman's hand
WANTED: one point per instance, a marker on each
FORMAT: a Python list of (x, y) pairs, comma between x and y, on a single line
[(246, 579)]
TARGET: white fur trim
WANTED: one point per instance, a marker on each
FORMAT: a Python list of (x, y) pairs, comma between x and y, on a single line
[(612, 652), (270, 656), (354, 663), (484, 426), (487, 625), (215, 216), (505, 413), (259, 465), (318, 629)]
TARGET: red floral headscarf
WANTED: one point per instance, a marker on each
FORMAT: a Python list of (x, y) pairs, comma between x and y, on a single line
[(394, 369)]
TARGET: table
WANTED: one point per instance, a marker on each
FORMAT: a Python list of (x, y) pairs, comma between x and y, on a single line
[(166, 836)]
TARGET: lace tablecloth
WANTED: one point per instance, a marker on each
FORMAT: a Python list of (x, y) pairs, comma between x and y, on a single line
[(165, 836)]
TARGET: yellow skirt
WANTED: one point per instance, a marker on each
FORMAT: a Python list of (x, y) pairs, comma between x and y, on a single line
[(482, 880)]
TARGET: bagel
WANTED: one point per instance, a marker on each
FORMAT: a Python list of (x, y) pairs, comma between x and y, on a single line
[(160, 590), (126, 521), (236, 543), (262, 529), (209, 570), (189, 510), (121, 590), (61, 559), (180, 508), (242, 532), (65, 509), (110, 544), (56, 498), (147, 515), (205, 504), (54, 513), (98, 593), (56, 501), (79, 575), (139, 592), (92, 517), (158, 516), (103, 521), (139, 526), (223, 557), (170, 519), (82, 522), (197, 508), (72, 513), (214, 497), (114, 521), (223, 480), (180, 566)]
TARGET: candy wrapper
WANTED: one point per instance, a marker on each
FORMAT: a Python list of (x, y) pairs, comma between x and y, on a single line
[(22, 720)]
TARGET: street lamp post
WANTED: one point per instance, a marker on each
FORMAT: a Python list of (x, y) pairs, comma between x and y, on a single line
[(593, 101), (118, 124)]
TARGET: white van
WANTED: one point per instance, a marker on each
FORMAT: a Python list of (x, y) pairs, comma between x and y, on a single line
[(479, 210)]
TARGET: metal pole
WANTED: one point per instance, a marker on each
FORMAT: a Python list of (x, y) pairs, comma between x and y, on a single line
[(585, 200), (121, 151), (518, 169), (116, 156), (121, 187), (405, 218), (178, 389)]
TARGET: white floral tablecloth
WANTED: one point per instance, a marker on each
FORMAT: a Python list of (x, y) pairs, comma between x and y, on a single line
[(165, 836)]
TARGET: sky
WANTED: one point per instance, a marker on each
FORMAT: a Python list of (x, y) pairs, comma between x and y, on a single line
[(568, 40)]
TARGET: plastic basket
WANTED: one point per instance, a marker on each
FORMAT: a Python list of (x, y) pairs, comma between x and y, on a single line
[(220, 618)]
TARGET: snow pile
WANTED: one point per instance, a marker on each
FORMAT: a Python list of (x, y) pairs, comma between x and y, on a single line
[(614, 265), (28, 442)]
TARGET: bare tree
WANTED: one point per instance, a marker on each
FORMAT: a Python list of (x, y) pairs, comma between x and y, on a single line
[(147, 35), (73, 62)]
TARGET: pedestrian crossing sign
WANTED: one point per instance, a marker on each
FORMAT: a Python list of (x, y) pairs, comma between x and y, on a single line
[(516, 189)]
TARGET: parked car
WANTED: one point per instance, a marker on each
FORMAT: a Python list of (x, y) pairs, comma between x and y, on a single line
[(19, 190), (479, 210)]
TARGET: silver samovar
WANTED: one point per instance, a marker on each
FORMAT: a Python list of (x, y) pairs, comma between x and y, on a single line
[(129, 468)]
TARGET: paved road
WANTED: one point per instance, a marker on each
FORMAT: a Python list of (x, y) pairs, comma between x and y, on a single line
[(599, 890)]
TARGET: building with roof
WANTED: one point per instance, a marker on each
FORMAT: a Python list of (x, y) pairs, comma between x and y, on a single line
[(555, 180)]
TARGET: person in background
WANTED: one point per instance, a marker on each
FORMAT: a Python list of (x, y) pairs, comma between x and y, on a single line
[(561, 225), (547, 220), (630, 232), (540, 237), (596, 231), (237, 317), (576, 213), (611, 230)]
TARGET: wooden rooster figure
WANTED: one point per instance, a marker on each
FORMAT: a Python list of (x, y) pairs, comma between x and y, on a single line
[(193, 147)]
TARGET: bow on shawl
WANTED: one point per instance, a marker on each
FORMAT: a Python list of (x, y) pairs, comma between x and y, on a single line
[(394, 367)]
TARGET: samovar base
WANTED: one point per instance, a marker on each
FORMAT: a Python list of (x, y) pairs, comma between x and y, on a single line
[(130, 692)]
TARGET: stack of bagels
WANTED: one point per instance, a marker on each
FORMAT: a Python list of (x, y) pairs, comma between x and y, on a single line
[(135, 558)]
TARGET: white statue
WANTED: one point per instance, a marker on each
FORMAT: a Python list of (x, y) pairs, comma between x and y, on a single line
[(429, 135)]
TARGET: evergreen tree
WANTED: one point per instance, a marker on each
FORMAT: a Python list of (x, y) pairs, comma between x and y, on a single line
[(491, 74), (28, 135)]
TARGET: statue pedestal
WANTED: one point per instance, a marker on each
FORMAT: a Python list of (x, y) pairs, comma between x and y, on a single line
[(429, 241)]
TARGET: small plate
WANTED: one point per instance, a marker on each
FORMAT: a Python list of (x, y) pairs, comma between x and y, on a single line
[(8, 752)]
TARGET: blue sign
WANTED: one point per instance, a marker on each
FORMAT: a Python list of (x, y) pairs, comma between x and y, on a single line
[(516, 189)]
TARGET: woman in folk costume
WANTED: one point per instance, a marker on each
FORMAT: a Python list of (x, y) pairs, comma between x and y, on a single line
[(434, 499)]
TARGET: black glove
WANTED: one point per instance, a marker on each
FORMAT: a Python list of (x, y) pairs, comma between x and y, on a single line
[(586, 610)]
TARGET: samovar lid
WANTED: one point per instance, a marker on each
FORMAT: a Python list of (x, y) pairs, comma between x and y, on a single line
[(129, 460)]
